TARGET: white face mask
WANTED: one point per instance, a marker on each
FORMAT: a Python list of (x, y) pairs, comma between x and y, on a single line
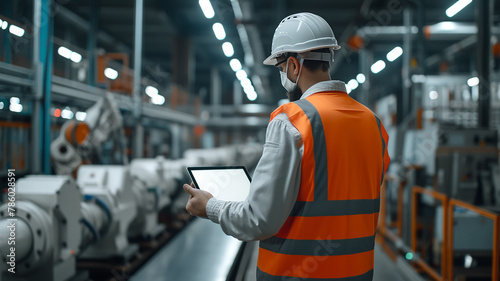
[(287, 83)]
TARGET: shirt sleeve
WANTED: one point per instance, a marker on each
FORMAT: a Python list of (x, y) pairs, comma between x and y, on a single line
[(273, 191)]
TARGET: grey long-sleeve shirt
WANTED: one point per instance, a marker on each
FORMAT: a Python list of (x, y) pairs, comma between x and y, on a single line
[(275, 184)]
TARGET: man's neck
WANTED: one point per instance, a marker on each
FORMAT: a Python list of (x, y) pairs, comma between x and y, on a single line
[(310, 78)]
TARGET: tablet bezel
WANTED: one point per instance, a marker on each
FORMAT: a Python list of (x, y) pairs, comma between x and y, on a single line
[(189, 169)]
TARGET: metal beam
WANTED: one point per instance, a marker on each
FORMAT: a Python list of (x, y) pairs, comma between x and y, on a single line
[(139, 130), (92, 41), (484, 18)]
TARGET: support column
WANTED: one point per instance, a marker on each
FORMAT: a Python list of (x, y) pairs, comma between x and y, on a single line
[(215, 91), (139, 130), (237, 93), (92, 41), (42, 65), (405, 97), (7, 46), (365, 60), (484, 19), (182, 63)]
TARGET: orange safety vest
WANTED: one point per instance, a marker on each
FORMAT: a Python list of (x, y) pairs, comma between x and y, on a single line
[(330, 232)]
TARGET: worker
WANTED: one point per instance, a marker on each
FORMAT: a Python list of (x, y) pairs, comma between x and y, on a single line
[(315, 194)]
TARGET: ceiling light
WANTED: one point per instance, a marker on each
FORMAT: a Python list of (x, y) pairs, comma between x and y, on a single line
[(348, 89), (4, 25), (353, 84), (80, 116), (158, 99), (219, 31), (361, 78), (228, 50), (110, 73), (207, 8), (235, 64), (394, 54), (14, 100), (252, 95), (67, 113), (457, 7), (474, 81), (241, 74), (1, 105), (15, 107), (76, 57), (433, 95), (246, 83), (64, 52), (16, 30), (378, 66), (151, 91), (248, 89)]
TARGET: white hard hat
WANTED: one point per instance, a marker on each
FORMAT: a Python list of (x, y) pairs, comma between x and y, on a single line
[(300, 33)]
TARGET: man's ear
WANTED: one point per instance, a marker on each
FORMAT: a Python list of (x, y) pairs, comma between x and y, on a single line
[(296, 65)]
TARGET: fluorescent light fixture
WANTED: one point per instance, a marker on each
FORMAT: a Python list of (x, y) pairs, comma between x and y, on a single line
[(249, 89), (235, 64), (76, 57), (158, 99), (14, 100), (361, 78), (1, 105), (16, 30), (4, 25), (207, 8), (252, 95), (80, 116), (394, 54), (151, 91), (219, 31), (67, 113), (246, 83), (447, 25), (468, 261), (241, 74), (228, 50), (378, 66), (348, 89), (474, 81), (433, 95), (353, 84), (110, 73), (15, 107), (457, 7), (64, 52)]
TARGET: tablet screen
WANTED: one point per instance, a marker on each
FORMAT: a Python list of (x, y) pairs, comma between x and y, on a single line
[(224, 183)]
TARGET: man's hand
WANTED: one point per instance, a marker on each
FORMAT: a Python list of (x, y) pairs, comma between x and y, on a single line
[(197, 203)]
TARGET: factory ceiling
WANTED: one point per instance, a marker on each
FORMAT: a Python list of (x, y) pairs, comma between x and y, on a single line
[(172, 28)]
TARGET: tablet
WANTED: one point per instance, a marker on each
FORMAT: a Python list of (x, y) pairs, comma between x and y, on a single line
[(228, 183)]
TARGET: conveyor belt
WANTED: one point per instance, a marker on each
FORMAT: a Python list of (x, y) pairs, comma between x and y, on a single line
[(200, 252)]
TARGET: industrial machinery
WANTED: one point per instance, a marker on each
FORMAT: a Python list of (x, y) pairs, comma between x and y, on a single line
[(60, 222), (79, 142)]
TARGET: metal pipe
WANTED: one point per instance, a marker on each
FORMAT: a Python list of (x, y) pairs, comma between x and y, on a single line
[(38, 92), (139, 130)]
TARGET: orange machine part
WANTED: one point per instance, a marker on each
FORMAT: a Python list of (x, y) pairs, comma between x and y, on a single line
[(76, 133), (356, 42)]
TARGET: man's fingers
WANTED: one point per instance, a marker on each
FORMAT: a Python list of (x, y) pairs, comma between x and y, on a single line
[(189, 189)]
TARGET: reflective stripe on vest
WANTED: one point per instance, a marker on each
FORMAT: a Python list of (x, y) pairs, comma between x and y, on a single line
[(330, 232)]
